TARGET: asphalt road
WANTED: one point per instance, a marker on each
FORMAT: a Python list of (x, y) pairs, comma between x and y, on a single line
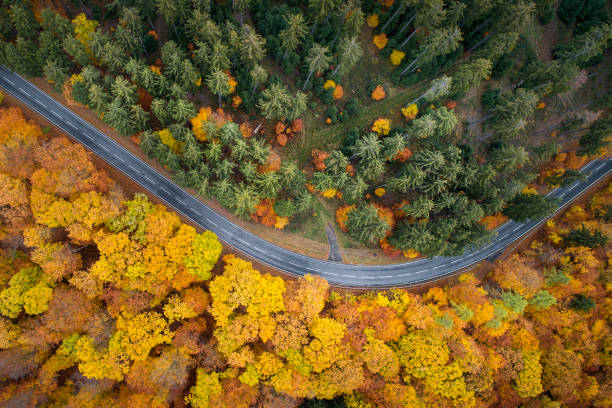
[(403, 274)]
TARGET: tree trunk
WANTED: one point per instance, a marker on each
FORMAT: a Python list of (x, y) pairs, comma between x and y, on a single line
[(481, 25), (307, 79), (219, 100), (256, 129), (409, 37), (335, 69), (411, 65), (407, 24), (479, 43), (400, 8), (151, 23)]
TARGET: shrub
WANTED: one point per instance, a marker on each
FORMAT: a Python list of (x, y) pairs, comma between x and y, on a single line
[(332, 113)]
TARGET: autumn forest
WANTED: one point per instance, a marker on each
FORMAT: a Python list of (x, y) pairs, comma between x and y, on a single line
[(411, 129)]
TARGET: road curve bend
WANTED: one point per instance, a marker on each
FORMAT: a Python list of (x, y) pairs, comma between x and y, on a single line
[(348, 275)]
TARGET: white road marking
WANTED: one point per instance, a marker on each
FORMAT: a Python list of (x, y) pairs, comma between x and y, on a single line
[(180, 201), (147, 177), (293, 263), (504, 236), (243, 241), (226, 231), (133, 169), (257, 249), (102, 146), (56, 114), (194, 210), (24, 91), (119, 157), (573, 187), (212, 222), (9, 81), (455, 261), (588, 165), (563, 195), (423, 271), (517, 228), (40, 103), (436, 267), (165, 191), (71, 125), (600, 166), (278, 259)]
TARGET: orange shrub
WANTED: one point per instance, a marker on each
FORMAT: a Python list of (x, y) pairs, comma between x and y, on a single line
[(264, 213), (403, 155), (338, 92), (318, 159), (380, 41), (378, 93), (297, 125)]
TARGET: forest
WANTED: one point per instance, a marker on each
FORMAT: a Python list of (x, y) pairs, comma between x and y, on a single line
[(415, 126), (109, 300)]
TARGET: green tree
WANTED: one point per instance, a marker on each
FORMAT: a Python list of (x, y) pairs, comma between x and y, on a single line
[(508, 158), (585, 237), (291, 37), (439, 42), (275, 102), (542, 300), (349, 53), (245, 200), (470, 74), (583, 47), (420, 207), (258, 75), (525, 207), (56, 73), (366, 225), (515, 302), (318, 61), (597, 138), (252, 45), (218, 83)]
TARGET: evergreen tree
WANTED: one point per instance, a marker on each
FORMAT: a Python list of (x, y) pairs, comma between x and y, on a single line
[(366, 225), (218, 83), (349, 53), (317, 60), (525, 207)]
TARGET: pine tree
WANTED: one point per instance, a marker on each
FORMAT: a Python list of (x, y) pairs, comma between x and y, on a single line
[(349, 53), (218, 83), (252, 45), (317, 60), (470, 74), (365, 224), (292, 36), (258, 75), (275, 102)]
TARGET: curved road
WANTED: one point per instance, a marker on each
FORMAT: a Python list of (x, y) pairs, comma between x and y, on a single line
[(403, 274)]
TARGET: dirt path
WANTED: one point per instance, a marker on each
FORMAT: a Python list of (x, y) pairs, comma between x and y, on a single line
[(334, 249)]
